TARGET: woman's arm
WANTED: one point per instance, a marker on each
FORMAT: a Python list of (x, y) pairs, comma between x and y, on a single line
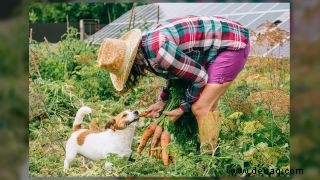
[(171, 58)]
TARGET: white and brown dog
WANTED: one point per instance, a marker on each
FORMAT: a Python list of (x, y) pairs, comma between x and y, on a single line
[(116, 139)]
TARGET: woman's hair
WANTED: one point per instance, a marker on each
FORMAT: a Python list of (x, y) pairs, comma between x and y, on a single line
[(138, 70)]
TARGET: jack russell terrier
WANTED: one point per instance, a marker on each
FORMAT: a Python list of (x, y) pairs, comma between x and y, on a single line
[(116, 139)]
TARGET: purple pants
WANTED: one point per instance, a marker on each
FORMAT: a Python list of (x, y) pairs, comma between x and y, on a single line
[(227, 65)]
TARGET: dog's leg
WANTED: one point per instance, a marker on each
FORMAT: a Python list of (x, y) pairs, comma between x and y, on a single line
[(67, 162), (70, 155)]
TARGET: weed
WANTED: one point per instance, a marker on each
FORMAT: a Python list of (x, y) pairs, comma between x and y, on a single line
[(64, 76)]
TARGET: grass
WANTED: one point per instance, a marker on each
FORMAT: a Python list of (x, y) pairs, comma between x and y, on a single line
[(255, 131)]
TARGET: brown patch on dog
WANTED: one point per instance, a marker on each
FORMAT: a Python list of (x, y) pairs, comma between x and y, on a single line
[(118, 122), (110, 124), (76, 127), (82, 136)]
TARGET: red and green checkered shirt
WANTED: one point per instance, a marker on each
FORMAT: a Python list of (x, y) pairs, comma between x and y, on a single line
[(184, 47)]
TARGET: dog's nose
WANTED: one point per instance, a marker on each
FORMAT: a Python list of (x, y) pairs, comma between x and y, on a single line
[(136, 112)]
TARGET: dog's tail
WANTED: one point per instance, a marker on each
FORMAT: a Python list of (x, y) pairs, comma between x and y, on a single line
[(84, 110)]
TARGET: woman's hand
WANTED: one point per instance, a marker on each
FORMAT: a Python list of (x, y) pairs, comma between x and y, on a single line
[(175, 114), (154, 109)]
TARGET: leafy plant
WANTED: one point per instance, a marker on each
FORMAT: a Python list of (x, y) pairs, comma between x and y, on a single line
[(255, 130)]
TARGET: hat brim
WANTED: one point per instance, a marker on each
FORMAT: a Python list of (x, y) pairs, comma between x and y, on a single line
[(133, 37)]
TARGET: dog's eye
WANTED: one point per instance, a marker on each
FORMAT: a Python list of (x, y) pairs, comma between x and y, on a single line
[(125, 115)]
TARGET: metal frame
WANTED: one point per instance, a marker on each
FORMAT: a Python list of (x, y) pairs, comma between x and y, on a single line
[(150, 11)]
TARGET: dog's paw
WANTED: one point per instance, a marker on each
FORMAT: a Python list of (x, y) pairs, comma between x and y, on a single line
[(65, 167), (108, 165), (65, 170)]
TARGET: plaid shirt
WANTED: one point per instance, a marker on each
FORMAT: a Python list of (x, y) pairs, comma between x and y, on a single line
[(184, 47)]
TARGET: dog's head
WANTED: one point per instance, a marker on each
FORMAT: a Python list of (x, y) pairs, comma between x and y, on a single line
[(122, 120)]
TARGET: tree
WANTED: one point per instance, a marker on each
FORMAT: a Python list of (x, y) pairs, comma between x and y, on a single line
[(57, 12)]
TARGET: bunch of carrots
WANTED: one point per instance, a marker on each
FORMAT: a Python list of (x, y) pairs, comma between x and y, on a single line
[(160, 130)]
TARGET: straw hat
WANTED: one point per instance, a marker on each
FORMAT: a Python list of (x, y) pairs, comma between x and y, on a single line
[(117, 56)]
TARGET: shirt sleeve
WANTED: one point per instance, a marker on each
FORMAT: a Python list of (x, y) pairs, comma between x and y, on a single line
[(171, 58)]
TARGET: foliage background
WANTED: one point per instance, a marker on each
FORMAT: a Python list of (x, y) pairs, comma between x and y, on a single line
[(57, 12), (65, 76)]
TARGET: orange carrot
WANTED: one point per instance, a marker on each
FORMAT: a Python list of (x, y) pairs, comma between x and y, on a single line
[(143, 114), (165, 139), (158, 151), (145, 136), (155, 138)]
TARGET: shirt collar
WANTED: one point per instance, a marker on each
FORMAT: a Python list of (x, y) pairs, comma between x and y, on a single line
[(147, 62)]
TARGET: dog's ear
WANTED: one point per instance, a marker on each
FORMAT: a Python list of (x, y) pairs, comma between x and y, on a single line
[(110, 124)]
